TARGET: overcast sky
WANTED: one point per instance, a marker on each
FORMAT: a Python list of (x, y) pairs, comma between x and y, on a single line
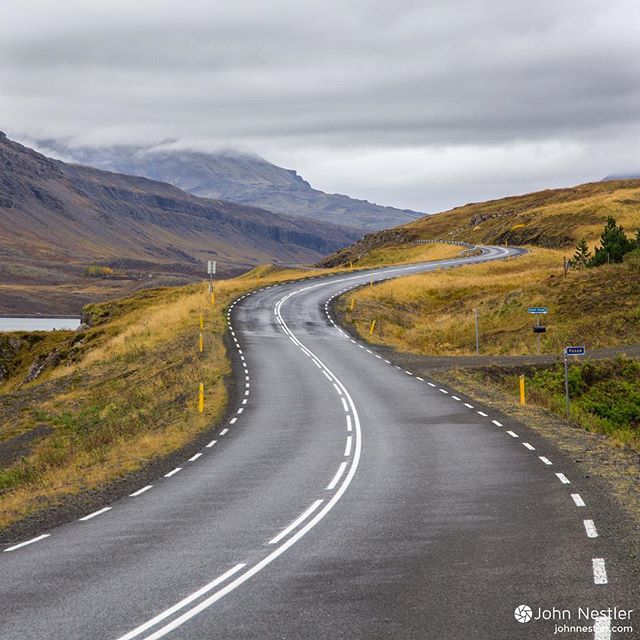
[(416, 104)]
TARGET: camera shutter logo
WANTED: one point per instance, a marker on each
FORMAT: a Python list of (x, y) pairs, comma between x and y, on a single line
[(523, 613)]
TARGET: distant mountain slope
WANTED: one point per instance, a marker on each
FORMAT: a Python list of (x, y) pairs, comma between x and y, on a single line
[(238, 177), (56, 218), (622, 176), (554, 218)]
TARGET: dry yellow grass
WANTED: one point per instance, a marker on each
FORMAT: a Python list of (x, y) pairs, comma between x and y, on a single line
[(552, 218), (125, 393), (433, 313), (407, 253)]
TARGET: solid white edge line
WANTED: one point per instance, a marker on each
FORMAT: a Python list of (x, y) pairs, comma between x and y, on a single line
[(94, 514), (26, 542), (299, 520), (336, 478), (299, 534), (183, 603)]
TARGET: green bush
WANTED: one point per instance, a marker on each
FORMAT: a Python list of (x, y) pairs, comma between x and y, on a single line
[(633, 259), (605, 396)]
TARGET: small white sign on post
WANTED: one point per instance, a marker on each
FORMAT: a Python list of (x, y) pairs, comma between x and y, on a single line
[(211, 267)]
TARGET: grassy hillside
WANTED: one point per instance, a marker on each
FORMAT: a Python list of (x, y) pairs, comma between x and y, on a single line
[(433, 313), (109, 399), (554, 219)]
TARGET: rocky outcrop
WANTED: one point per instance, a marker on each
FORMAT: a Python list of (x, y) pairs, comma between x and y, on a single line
[(70, 214)]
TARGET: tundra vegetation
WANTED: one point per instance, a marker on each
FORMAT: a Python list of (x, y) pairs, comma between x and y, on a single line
[(433, 313), (81, 409)]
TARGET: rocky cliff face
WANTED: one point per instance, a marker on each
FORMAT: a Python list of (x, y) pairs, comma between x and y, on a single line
[(238, 177), (71, 213), (56, 219)]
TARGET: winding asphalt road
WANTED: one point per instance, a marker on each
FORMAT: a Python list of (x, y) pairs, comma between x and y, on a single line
[(345, 498)]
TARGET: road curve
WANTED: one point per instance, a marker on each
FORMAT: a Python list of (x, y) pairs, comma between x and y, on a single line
[(345, 498)]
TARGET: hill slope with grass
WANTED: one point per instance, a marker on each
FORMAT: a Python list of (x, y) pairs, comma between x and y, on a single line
[(81, 410), (552, 219), (433, 313)]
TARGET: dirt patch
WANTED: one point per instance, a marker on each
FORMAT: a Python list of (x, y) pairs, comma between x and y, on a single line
[(18, 446)]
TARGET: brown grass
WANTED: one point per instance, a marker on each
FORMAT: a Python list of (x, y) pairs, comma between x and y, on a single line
[(433, 313), (124, 393)]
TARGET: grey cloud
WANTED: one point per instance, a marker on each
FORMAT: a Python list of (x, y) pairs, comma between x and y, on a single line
[(326, 85)]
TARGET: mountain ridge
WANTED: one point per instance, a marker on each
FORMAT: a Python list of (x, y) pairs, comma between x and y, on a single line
[(236, 176), (58, 218)]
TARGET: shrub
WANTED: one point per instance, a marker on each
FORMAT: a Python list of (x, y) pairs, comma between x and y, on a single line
[(98, 272)]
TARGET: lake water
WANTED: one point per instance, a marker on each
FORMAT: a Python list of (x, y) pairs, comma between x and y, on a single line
[(38, 324)]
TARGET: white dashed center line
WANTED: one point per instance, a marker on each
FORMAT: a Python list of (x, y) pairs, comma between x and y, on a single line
[(140, 491), (27, 542), (578, 500), (336, 478), (94, 514), (172, 473), (299, 520), (599, 571), (590, 528)]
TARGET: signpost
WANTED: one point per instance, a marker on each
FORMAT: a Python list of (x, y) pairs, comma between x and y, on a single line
[(570, 351), (475, 313), (538, 311), (211, 270)]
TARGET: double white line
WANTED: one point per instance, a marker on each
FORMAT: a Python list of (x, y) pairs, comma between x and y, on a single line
[(247, 573)]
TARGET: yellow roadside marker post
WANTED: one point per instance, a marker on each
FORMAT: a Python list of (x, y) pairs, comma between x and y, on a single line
[(373, 326), (522, 396), (201, 342), (201, 399), (353, 304)]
